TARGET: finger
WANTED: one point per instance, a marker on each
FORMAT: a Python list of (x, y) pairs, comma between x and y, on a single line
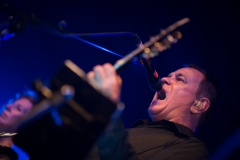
[(115, 82), (119, 79), (110, 70), (100, 73), (91, 79), (111, 73)]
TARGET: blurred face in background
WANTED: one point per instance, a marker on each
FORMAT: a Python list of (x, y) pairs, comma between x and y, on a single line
[(13, 113)]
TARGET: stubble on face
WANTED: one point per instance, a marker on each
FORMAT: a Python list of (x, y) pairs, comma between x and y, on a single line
[(180, 88)]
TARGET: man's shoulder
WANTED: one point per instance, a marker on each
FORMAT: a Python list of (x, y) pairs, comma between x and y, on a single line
[(153, 138)]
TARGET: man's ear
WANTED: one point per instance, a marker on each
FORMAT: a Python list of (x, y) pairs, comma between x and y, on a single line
[(200, 106)]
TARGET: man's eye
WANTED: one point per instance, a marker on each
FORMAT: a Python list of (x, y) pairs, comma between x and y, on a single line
[(180, 79)]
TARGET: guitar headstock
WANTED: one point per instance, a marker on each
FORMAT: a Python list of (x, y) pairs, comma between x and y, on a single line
[(156, 44), (160, 46)]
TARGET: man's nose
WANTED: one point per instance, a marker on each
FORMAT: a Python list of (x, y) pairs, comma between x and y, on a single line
[(166, 80)]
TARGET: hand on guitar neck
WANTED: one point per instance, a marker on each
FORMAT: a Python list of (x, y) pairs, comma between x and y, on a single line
[(105, 79)]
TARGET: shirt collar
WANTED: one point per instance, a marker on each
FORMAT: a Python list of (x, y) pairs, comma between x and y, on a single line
[(175, 127)]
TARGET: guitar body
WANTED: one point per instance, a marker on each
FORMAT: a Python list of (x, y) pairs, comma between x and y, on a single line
[(62, 131)]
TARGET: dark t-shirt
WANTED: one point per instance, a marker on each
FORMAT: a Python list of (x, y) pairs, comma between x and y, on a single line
[(149, 141), (165, 140)]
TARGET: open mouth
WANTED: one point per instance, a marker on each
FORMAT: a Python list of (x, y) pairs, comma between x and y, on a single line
[(161, 95)]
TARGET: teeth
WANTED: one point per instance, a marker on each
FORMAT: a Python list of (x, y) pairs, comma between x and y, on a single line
[(161, 95)]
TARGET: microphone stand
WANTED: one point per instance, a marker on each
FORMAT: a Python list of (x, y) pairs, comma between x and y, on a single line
[(59, 30)]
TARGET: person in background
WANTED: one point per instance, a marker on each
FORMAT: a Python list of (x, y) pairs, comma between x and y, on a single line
[(12, 112)]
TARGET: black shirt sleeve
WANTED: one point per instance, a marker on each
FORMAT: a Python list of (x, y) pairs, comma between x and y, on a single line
[(114, 144)]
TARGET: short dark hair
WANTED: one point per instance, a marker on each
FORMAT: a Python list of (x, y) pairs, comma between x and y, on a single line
[(28, 94), (205, 89), (31, 95)]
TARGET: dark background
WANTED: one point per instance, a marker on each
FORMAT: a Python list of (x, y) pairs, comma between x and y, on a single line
[(210, 40)]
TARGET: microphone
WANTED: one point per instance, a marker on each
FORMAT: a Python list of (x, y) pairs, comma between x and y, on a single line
[(15, 26), (5, 34), (154, 80)]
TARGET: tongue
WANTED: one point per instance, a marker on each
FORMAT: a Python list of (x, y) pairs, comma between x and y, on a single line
[(161, 95)]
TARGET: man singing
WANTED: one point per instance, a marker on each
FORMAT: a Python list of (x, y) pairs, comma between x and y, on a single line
[(186, 100)]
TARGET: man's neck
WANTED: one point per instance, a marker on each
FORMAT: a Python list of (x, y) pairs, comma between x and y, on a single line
[(185, 120), (191, 124)]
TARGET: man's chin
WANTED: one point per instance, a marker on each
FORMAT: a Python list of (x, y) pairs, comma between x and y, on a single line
[(154, 109), (155, 116)]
